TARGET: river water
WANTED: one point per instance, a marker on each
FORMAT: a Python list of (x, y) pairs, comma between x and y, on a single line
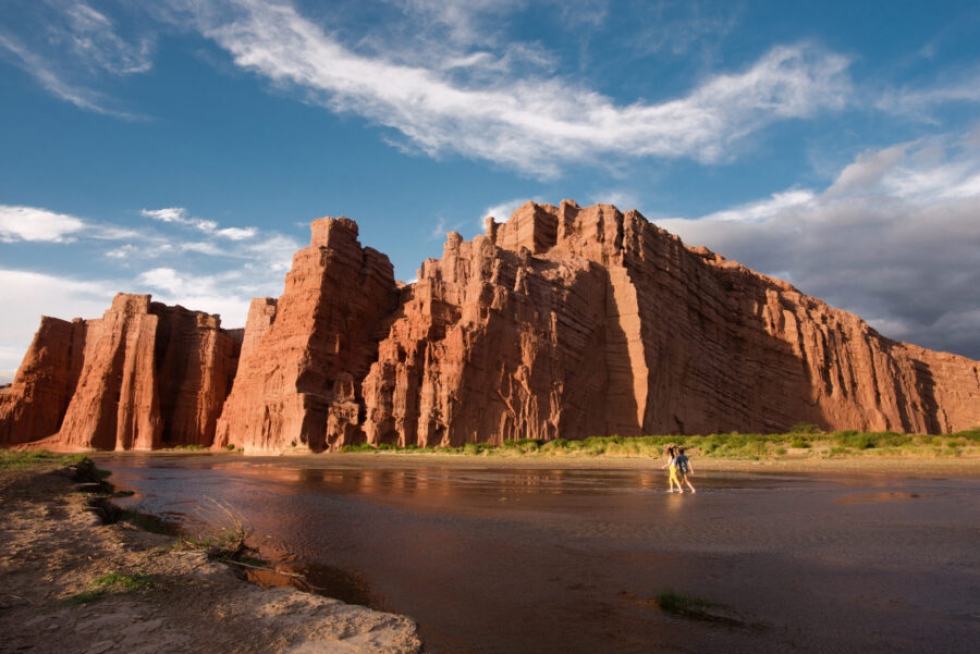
[(491, 558)]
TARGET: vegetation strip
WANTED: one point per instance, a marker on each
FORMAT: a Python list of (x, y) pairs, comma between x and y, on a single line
[(804, 440)]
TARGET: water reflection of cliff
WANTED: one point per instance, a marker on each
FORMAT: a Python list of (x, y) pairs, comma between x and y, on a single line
[(447, 483)]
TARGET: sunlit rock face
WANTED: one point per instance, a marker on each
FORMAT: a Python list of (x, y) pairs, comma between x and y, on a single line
[(563, 322), (142, 377), (570, 322), (305, 354)]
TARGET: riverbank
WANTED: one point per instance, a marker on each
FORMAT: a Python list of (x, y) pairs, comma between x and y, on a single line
[(74, 584), (899, 464)]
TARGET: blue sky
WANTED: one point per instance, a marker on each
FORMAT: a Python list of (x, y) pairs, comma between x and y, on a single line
[(181, 147)]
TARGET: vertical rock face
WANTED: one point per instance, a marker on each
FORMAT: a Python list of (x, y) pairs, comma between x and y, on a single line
[(564, 322), (33, 406), (305, 354), (574, 322), (143, 376)]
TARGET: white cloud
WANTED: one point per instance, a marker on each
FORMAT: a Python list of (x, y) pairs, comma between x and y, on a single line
[(92, 39), (157, 259), (168, 215), (895, 239), (922, 102), (236, 233), (38, 294), (202, 247), (179, 216), (222, 293), (68, 46), (532, 124), (34, 224), (763, 210)]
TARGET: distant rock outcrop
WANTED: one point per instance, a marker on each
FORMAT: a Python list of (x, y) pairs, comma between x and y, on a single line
[(144, 376), (564, 322)]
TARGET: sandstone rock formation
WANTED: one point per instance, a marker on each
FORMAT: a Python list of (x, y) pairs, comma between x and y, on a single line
[(304, 356), (34, 405), (569, 322), (144, 376), (563, 322)]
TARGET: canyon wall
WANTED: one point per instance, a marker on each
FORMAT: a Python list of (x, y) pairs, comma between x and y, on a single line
[(304, 355), (570, 322), (563, 322), (142, 377)]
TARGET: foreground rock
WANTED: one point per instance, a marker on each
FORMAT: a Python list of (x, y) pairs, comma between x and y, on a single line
[(563, 322), (53, 550)]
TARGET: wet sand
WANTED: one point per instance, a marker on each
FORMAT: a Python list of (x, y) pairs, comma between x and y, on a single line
[(567, 555)]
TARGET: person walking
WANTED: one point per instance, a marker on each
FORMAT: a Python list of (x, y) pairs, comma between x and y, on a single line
[(684, 470), (671, 464)]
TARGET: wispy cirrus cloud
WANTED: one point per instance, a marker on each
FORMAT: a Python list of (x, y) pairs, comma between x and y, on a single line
[(67, 46), (531, 122), (922, 101), (895, 238)]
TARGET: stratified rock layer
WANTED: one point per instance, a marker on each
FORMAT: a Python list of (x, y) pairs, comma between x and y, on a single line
[(570, 322), (304, 356), (564, 322), (144, 376)]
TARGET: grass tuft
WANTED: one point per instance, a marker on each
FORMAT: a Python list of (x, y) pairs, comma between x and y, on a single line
[(227, 536), (107, 584)]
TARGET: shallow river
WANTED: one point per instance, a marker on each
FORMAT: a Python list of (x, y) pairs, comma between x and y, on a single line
[(502, 558)]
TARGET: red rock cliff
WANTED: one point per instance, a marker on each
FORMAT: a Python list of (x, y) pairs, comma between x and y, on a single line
[(562, 322), (574, 322), (144, 376), (34, 405), (305, 354)]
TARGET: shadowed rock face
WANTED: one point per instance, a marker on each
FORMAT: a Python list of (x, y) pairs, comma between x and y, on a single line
[(562, 322)]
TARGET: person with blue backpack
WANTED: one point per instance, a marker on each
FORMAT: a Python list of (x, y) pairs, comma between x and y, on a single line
[(684, 470)]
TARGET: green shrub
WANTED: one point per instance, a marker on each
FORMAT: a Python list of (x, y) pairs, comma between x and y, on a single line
[(804, 428), (855, 440)]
